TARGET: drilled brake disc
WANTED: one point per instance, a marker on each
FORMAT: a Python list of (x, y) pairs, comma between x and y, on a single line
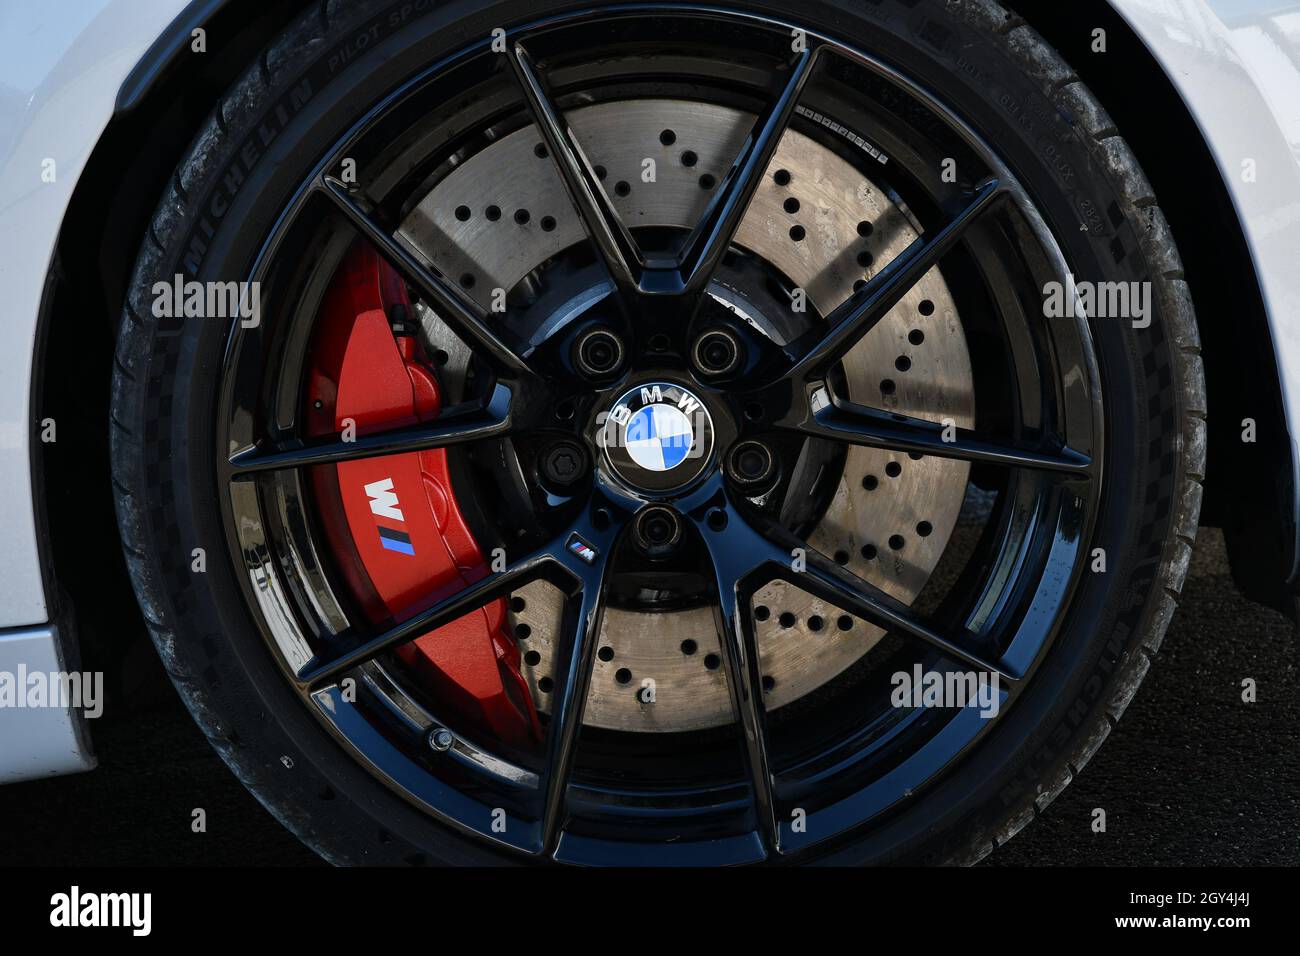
[(504, 211)]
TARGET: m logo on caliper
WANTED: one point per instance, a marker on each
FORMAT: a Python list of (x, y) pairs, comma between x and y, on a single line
[(384, 504)]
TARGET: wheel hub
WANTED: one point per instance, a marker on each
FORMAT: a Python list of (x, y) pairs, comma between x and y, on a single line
[(658, 437)]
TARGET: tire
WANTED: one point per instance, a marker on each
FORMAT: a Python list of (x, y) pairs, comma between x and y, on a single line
[(979, 58)]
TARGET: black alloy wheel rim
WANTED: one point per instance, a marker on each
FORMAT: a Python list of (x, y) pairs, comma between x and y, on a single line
[(548, 805)]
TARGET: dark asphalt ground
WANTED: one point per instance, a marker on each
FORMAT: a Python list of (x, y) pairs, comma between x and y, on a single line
[(1192, 775)]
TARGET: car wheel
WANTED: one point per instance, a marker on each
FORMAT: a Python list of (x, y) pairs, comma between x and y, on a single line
[(657, 435)]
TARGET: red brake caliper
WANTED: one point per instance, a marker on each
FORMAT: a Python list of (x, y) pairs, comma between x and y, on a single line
[(393, 522)]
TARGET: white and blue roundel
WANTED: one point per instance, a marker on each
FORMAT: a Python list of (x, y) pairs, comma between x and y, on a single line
[(659, 437)]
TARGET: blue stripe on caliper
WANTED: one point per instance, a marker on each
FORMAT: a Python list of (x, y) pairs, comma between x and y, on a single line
[(396, 541)]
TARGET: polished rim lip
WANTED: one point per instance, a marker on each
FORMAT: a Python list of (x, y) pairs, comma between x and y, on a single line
[(1026, 208)]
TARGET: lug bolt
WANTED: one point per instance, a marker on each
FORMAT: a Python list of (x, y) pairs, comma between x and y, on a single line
[(751, 463), (657, 530), (599, 352), (717, 352), (563, 463)]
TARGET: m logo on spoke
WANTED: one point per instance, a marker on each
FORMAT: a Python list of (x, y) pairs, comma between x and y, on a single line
[(384, 504)]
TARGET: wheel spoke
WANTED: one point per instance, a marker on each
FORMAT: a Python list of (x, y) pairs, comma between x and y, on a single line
[(755, 552), (583, 615), (740, 555), (824, 579), (860, 314), (860, 425), (454, 427), (739, 644), (448, 604), (611, 238), (711, 239), (457, 313)]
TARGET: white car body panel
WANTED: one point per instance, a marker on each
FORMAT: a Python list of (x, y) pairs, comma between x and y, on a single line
[(62, 62), (39, 741), (61, 65)]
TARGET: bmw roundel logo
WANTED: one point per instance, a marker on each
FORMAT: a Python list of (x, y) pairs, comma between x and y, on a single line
[(658, 436)]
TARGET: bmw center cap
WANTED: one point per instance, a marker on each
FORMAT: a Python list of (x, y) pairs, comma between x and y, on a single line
[(658, 437)]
